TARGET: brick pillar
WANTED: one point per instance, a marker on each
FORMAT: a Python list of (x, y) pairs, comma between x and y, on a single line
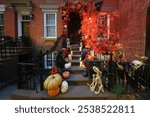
[(10, 23)]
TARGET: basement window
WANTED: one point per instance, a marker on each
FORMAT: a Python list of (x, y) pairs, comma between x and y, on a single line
[(50, 60), (50, 25), (1, 24)]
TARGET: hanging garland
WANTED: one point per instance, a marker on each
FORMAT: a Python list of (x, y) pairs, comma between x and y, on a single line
[(92, 31)]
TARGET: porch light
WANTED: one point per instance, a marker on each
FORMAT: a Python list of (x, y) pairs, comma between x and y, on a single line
[(31, 15)]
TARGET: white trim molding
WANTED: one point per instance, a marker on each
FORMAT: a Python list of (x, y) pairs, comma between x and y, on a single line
[(47, 7), (2, 8), (55, 25)]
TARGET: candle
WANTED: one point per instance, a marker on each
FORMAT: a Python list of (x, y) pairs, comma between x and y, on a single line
[(71, 52), (80, 63), (80, 48), (70, 57)]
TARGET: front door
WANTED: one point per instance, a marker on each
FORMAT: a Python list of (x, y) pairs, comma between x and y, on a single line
[(26, 28), (74, 26)]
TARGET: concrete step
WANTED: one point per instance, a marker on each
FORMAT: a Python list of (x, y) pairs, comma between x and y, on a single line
[(76, 52), (76, 57), (75, 48), (78, 79), (75, 62), (75, 45), (76, 70), (81, 92)]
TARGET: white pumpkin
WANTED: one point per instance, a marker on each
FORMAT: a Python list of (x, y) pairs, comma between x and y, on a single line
[(64, 87), (68, 65)]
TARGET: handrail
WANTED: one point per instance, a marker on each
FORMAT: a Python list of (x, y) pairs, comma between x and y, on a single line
[(7, 47), (6, 42), (55, 45)]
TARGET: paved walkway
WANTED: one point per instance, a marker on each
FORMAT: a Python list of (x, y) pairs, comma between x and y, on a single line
[(6, 92)]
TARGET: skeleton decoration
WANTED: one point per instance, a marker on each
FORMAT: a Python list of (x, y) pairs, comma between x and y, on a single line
[(136, 64), (96, 86)]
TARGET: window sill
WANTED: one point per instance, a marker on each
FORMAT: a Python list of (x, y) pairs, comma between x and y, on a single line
[(50, 39)]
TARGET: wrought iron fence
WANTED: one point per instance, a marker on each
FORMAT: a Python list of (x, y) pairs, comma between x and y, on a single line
[(7, 47), (32, 75)]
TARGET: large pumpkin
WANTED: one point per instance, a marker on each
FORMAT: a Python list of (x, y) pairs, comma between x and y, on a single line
[(53, 81), (66, 74), (54, 92)]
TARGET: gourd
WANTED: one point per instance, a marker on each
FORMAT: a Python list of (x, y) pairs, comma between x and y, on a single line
[(67, 65), (66, 74), (53, 81), (54, 92), (64, 87)]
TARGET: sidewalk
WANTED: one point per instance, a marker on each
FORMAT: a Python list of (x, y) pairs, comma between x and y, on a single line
[(6, 91)]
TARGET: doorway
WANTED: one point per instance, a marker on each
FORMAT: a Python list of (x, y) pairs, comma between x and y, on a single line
[(74, 26), (26, 28), (147, 45)]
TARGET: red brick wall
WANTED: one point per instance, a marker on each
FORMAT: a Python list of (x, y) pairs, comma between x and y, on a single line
[(2, 1), (10, 23), (37, 24), (133, 26), (110, 4)]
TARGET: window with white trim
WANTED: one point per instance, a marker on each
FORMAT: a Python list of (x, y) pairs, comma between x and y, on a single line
[(50, 25), (1, 24), (50, 60)]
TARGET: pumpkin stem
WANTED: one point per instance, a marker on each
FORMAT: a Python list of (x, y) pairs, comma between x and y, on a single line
[(53, 77)]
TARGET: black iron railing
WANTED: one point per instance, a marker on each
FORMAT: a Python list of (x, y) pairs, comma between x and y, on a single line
[(7, 48), (32, 75)]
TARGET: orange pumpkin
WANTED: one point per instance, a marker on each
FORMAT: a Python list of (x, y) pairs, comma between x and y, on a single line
[(54, 92), (90, 57)]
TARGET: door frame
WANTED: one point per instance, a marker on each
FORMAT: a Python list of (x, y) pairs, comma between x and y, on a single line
[(20, 20)]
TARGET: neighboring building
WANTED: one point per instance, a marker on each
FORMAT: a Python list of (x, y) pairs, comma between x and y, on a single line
[(42, 21)]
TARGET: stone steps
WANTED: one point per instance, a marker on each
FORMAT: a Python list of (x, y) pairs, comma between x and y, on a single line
[(76, 52), (76, 57), (78, 88), (75, 62), (78, 79), (76, 70)]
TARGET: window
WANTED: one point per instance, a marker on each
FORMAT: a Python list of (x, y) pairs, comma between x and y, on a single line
[(103, 21), (1, 24), (49, 60), (25, 17), (50, 22)]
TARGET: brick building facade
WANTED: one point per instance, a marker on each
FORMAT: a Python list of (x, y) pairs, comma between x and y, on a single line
[(131, 24)]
